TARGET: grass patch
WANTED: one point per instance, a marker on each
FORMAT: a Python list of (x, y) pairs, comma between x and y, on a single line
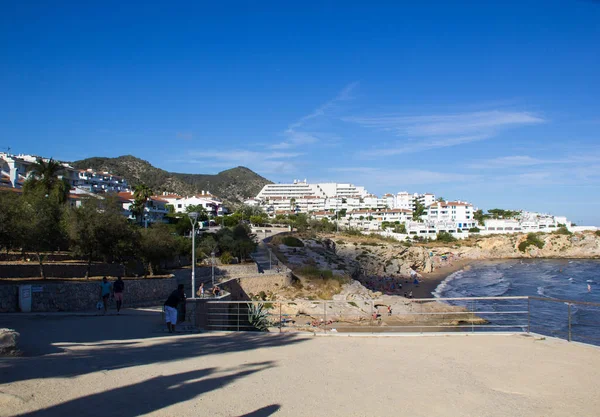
[(311, 271), (353, 304)]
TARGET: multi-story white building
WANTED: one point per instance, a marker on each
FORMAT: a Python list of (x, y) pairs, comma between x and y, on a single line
[(155, 210), (299, 189), (212, 204), (458, 212), (15, 170), (408, 201), (99, 182), (526, 222)]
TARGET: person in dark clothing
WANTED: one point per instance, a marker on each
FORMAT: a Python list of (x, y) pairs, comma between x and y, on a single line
[(171, 307), (118, 288)]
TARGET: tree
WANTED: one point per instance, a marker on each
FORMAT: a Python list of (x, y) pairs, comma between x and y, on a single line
[(44, 176), (440, 199), (156, 245), (97, 229), (141, 195), (418, 211), (11, 221), (400, 228), (198, 208), (42, 229), (480, 217)]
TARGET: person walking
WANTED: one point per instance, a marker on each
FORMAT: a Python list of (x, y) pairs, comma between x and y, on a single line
[(118, 288), (170, 307), (105, 290)]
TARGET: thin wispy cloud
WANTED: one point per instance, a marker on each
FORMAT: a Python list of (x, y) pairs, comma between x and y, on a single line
[(265, 162), (298, 134), (427, 132), (406, 177), (514, 161)]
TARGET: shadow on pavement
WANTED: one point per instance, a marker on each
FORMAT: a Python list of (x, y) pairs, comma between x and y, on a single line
[(264, 411), (109, 355), (67, 346), (153, 394)]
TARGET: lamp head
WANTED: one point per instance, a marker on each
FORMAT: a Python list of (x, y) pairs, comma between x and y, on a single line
[(193, 215)]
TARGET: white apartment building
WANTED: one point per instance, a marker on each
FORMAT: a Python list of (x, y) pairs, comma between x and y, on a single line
[(154, 211), (408, 201), (458, 212), (14, 171), (99, 182), (526, 222), (299, 189), (212, 204)]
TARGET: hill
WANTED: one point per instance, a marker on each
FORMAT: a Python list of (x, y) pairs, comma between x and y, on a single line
[(233, 185)]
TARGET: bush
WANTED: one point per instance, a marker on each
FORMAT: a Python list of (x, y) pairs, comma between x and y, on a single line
[(597, 232), (445, 237), (474, 230), (532, 240), (562, 230), (226, 258), (292, 241)]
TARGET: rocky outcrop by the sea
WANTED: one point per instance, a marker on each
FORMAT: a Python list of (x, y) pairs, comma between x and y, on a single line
[(379, 258)]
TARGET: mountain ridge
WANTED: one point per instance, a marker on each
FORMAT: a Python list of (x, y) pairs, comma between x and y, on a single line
[(233, 185)]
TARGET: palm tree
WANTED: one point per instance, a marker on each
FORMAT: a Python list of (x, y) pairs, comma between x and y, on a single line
[(46, 176), (141, 195)]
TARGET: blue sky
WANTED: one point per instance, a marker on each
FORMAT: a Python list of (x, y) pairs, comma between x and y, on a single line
[(494, 104)]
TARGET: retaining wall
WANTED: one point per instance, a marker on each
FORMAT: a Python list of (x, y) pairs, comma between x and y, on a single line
[(81, 296)]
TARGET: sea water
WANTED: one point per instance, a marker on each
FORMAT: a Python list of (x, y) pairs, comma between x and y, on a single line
[(548, 279)]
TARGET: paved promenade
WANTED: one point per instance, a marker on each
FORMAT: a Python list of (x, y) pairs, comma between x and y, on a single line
[(124, 366)]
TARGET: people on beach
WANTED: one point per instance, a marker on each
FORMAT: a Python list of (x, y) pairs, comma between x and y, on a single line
[(389, 309), (118, 288), (170, 307), (105, 290), (200, 291), (410, 295)]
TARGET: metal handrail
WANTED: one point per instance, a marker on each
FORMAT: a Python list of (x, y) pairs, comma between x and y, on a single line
[(502, 314), (557, 300)]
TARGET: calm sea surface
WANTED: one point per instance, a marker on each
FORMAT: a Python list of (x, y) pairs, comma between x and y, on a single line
[(549, 279)]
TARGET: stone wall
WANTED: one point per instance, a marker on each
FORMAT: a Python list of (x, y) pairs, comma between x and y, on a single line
[(81, 296), (71, 270), (241, 288)]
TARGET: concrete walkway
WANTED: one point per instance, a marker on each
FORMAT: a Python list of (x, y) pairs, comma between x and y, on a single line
[(98, 366)]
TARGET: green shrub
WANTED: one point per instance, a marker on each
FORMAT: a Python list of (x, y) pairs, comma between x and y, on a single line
[(474, 230), (352, 303), (258, 316), (562, 230), (532, 240), (597, 232), (226, 258), (292, 241), (445, 237)]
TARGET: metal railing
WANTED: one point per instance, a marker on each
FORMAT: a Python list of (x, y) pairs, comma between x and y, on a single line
[(580, 321)]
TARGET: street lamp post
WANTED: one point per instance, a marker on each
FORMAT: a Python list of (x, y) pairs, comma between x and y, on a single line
[(212, 262), (269, 259), (193, 217)]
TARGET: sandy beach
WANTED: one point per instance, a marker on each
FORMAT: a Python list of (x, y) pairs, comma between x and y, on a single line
[(430, 281)]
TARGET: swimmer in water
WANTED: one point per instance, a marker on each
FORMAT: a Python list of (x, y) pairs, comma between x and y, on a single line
[(589, 288)]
